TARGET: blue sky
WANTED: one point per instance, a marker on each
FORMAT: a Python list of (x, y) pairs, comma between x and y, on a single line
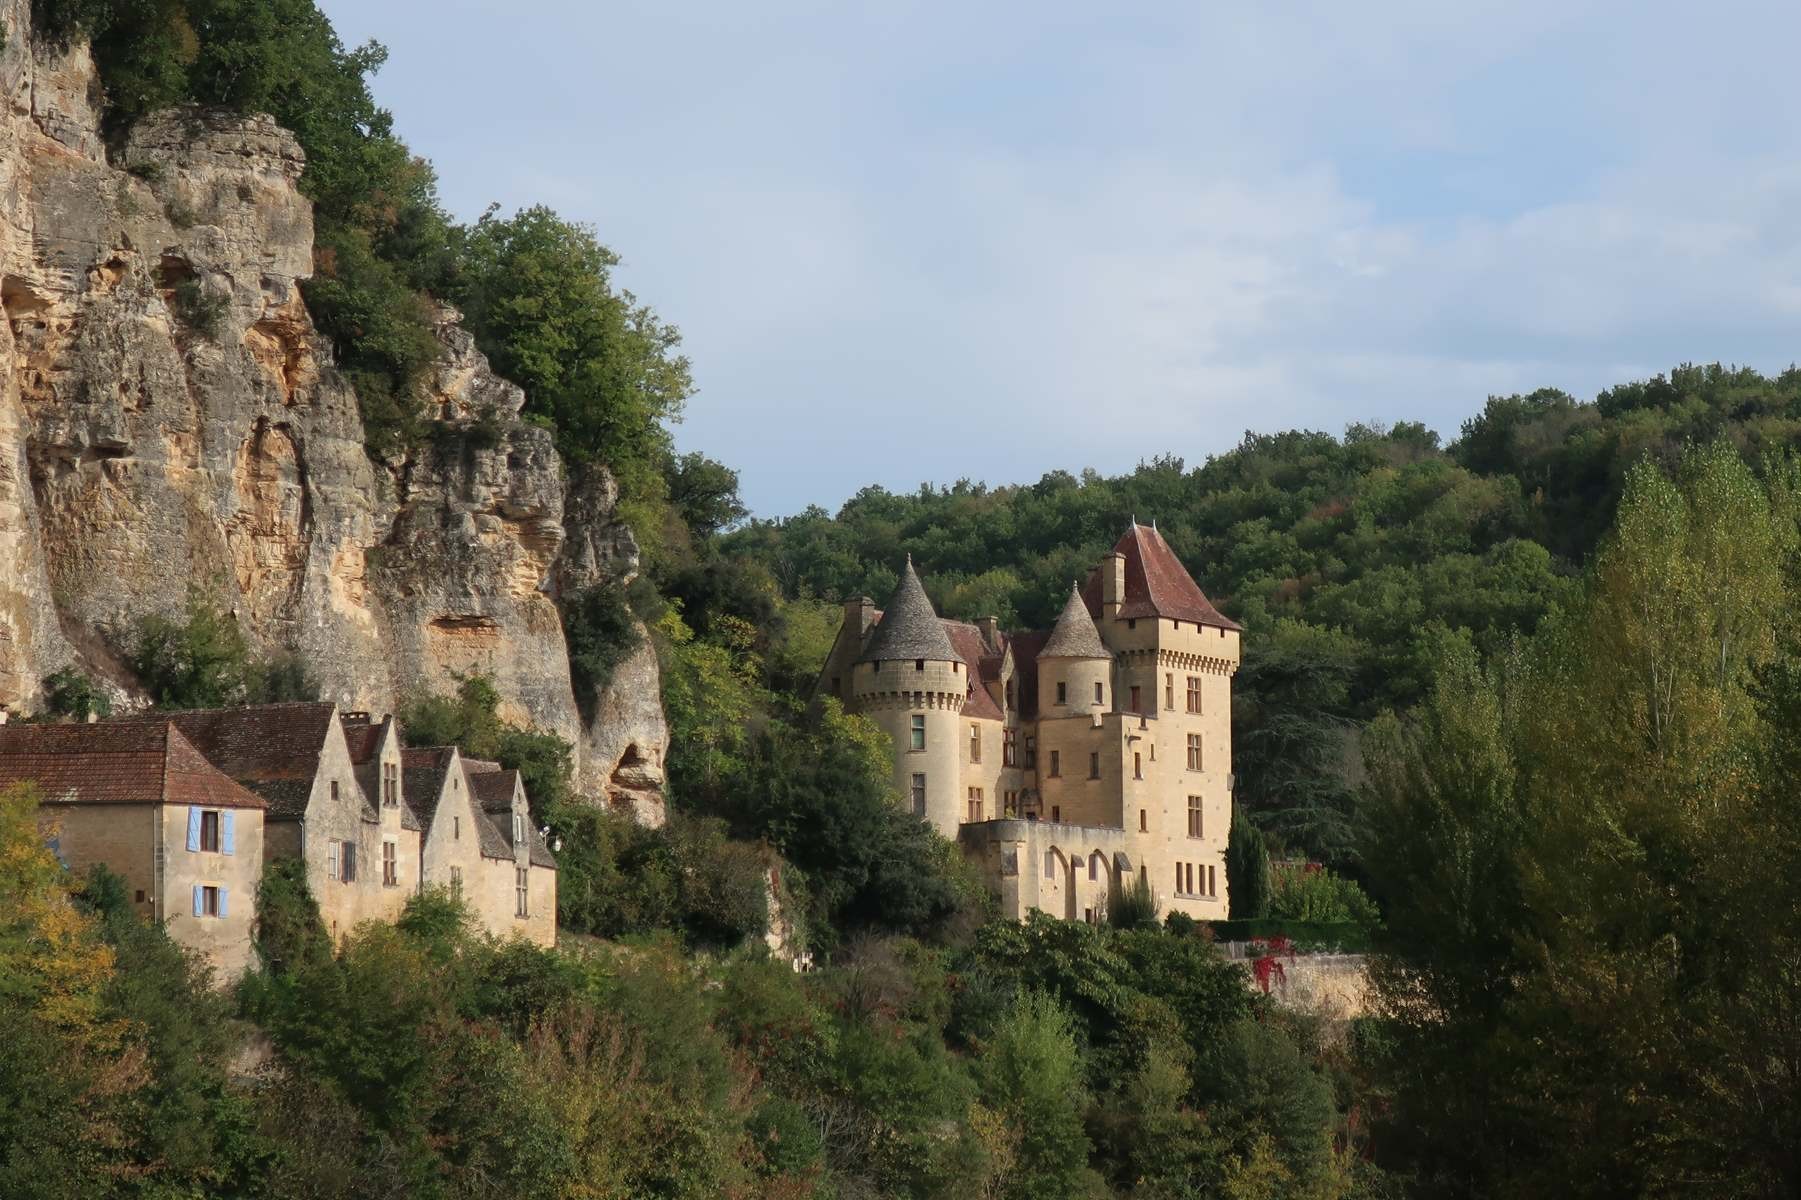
[(917, 241)]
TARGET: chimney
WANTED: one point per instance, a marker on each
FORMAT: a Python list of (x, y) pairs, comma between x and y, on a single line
[(1113, 585), (859, 614), (991, 631)]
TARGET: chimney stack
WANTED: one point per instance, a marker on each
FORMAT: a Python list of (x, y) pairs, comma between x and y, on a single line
[(1113, 585), (859, 614), (991, 631)]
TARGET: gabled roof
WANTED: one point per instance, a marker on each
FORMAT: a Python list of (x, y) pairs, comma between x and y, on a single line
[(1157, 584), (1074, 634), (422, 772), (969, 645), (492, 789), (138, 762), (364, 738), (1026, 648), (256, 742), (909, 626)]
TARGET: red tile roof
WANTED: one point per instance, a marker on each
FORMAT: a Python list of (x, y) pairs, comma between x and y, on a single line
[(136, 762), (1157, 584), (979, 667)]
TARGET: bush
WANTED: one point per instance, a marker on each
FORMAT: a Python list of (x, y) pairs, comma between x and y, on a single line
[(198, 309), (1313, 894), (69, 693), (199, 661), (600, 631), (1134, 907)]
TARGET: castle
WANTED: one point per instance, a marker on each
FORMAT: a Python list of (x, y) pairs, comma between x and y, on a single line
[(1069, 763)]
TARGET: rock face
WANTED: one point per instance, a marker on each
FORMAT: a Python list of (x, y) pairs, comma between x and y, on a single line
[(171, 423)]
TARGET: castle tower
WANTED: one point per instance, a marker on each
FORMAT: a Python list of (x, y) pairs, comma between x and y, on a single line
[(910, 681), (1076, 671)]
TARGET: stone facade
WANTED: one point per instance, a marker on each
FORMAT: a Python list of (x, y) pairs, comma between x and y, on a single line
[(1071, 762), (171, 424)]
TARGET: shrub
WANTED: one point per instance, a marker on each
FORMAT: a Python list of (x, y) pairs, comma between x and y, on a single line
[(600, 631), (69, 693), (199, 661), (1134, 907), (1312, 893)]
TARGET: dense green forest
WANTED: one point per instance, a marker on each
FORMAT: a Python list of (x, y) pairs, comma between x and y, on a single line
[(1537, 689)]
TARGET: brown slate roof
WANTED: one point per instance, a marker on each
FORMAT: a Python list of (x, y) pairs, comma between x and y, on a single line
[(1157, 584), (259, 742), (142, 762), (422, 771), (492, 790), (909, 626), (1074, 635), (1026, 648), (364, 738)]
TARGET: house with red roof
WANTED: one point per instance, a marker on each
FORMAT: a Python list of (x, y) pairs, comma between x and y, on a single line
[(140, 799), (1071, 762)]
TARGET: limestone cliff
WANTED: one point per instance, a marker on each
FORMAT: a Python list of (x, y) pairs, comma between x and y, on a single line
[(170, 420)]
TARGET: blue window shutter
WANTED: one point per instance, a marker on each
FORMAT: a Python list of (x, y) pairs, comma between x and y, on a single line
[(224, 894), (193, 830), (226, 838), (199, 900)]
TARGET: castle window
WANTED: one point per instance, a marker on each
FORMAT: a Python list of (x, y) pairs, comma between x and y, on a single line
[(1056, 763), (919, 795), (1137, 703), (1194, 752), (1169, 691), (522, 905), (1094, 764), (975, 743), (390, 865), (1178, 879), (1050, 864), (518, 828), (1194, 816), (1194, 693), (1099, 695), (334, 791), (1009, 695), (1062, 692), (1211, 882), (1137, 766), (456, 882), (1094, 868), (1009, 751), (456, 829), (919, 664), (1142, 821), (975, 804), (390, 784), (919, 731), (1056, 813)]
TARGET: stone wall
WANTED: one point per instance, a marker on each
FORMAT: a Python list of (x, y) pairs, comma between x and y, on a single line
[(171, 424)]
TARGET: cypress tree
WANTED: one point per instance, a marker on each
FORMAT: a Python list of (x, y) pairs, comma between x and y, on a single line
[(1247, 869)]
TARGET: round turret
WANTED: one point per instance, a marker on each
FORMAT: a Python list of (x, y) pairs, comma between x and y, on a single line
[(910, 681), (1075, 672)]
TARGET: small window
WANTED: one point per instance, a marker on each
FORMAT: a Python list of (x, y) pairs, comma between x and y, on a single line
[(1212, 890), (456, 881), (1056, 763), (456, 829), (347, 861), (334, 791), (1169, 691), (975, 743), (1088, 915), (1143, 819), (1194, 752), (209, 902), (1009, 748), (521, 893), (1194, 693), (919, 664), (1056, 812), (1131, 622), (1137, 765), (1094, 764), (518, 828), (390, 865), (919, 795), (919, 731), (390, 784), (1194, 817), (1094, 868), (837, 686), (209, 831), (1009, 691), (1137, 704), (1100, 696), (1050, 864), (1062, 692), (975, 804)]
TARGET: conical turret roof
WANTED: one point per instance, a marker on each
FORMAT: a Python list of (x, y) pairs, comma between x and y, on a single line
[(909, 627), (1074, 635)]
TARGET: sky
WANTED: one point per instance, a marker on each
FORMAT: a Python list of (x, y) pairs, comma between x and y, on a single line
[(918, 242)]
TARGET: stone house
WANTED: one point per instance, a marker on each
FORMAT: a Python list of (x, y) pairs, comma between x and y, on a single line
[(481, 843), (1071, 761), (139, 798), (361, 849)]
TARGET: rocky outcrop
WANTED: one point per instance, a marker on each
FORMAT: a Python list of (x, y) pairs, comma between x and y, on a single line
[(171, 422)]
